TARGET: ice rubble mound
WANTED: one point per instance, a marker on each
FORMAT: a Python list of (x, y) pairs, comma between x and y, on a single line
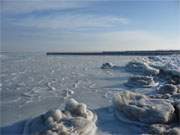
[(166, 68), (76, 119), (140, 81), (107, 65), (161, 129), (138, 66), (140, 108), (167, 64), (168, 89), (177, 108)]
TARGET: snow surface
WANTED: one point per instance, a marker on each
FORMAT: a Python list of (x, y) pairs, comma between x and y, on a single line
[(33, 83)]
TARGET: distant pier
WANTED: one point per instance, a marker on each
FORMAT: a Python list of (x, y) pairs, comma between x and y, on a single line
[(158, 52)]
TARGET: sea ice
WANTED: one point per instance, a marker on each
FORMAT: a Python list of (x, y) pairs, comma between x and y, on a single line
[(76, 119), (107, 65), (168, 89), (162, 129), (141, 67), (177, 110), (138, 107), (140, 81), (169, 65)]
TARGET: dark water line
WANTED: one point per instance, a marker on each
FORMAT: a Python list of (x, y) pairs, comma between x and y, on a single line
[(156, 52)]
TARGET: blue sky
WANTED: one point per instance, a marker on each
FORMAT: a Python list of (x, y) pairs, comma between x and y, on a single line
[(92, 25)]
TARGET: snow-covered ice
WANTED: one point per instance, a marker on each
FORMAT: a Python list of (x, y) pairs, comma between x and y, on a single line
[(140, 81), (32, 84), (141, 108)]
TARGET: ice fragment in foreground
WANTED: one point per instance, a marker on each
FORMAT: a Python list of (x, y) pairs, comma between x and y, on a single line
[(76, 119), (138, 107), (141, 67), (140, 81)]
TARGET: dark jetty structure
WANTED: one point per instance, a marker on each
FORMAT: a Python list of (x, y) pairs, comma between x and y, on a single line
[(154, 52)]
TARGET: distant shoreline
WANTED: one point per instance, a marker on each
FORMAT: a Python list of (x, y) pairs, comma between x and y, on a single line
[(156, 52)]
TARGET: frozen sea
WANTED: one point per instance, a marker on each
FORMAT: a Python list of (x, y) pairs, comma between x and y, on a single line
[(33, 83)]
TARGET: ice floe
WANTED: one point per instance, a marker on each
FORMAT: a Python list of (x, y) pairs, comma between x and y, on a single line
[(76, 119), (141, 81), (141, 108), (159, 115), (164, 67), (107, 66), (161, 129), (168, 65), (141, 67), (168, 89)]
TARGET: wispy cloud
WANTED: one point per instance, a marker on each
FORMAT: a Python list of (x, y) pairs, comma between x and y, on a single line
[(47, 14), (69, 25), (27, 6), (71, 21)]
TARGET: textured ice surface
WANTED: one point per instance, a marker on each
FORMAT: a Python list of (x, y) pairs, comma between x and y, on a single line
[(141, 108), (141, 67), (169, 64), (140, 81), (33, 83), (160, 129), (76, 119), (168, 89)]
